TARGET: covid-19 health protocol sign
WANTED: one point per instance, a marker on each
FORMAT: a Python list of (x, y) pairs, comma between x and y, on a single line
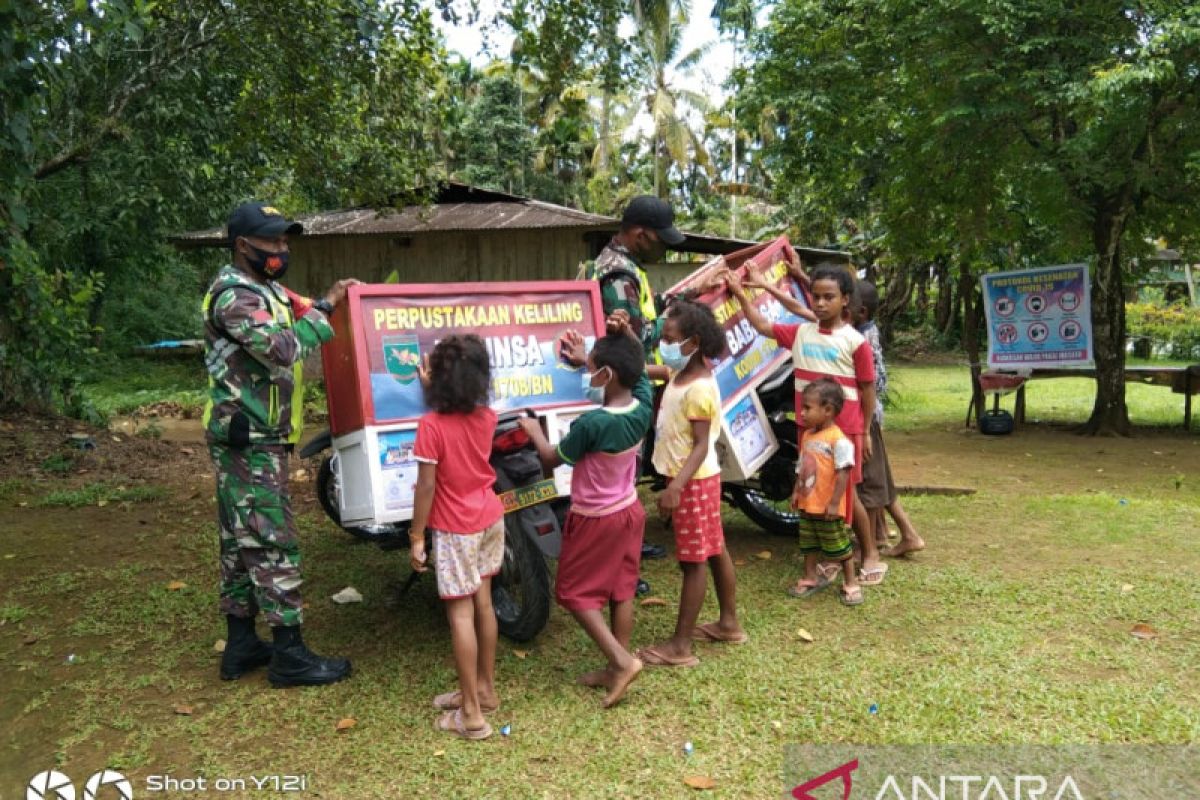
[(1039, 317)]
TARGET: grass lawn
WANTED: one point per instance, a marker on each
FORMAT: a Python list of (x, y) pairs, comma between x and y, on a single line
[(1012, 627)]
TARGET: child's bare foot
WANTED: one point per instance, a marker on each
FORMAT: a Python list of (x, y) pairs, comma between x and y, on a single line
[(620, 682), (905, 546), (596, 679)]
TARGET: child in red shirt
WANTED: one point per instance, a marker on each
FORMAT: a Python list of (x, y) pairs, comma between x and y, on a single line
[(455, 500)]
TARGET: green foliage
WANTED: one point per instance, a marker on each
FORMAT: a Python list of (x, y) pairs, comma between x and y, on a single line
[(991, 131), (59, 463), (101, 493), (496, 141), (45, 333), (127, 122), (1173, 329)]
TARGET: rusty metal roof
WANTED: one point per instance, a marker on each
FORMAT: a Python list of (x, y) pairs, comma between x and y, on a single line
[(459, 207)]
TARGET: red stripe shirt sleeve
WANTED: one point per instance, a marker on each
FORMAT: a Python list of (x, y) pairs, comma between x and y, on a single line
[(864, 363), (785, 334)]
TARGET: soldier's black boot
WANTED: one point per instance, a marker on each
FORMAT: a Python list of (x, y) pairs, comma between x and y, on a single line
[(244, 651), (293, 664)]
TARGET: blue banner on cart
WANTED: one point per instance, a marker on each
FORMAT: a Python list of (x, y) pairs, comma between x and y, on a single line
[(1039, 317)]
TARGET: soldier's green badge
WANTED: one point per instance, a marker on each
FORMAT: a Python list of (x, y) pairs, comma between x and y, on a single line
[(402, 356)]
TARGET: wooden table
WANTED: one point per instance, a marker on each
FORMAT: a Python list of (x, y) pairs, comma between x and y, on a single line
[(1180, 380)]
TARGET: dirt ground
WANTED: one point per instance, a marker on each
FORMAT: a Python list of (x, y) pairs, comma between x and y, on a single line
[(59, 546)]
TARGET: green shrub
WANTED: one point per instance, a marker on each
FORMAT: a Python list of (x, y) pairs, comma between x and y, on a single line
[(1173, 331)]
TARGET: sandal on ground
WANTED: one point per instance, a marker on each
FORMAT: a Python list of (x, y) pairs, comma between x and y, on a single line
[(452, 722), (453, 700), (711, 632), (654, 657), (798, 589), (851, 596), (873, 576)]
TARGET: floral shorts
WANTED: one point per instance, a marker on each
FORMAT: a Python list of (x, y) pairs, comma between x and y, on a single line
[(697, 522), (462, 560)]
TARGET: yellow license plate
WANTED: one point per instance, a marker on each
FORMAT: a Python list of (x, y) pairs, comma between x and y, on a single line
[(526, 496)]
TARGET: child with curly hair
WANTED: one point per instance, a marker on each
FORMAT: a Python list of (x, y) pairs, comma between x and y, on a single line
[(685, 453), (455, 501)]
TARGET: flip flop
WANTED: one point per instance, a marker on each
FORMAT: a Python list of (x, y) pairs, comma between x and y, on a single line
[(653, 657), (452, 722), (821, 585), (709, 632), (829, 570), (453, 700), (873, 576), (855, 598)]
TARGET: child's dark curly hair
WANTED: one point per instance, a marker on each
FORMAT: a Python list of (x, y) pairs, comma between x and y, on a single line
[(460, 375), (828, 393), (623, 355), (842, 277), (695, 319)]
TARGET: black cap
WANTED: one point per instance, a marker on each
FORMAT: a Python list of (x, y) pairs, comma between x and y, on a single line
[(258, 219), (655, 214)]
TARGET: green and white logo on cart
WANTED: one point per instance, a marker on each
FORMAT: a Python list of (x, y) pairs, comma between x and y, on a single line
[(402, 357)]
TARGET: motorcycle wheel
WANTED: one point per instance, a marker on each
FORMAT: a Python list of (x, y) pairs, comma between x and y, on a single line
[(388, 537), (773, 516), (521, 592)]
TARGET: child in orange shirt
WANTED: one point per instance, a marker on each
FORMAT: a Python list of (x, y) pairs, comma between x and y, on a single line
[(826, 458)]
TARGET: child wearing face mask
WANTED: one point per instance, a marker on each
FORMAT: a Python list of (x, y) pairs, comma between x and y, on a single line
[(602, 539), (685, 453)]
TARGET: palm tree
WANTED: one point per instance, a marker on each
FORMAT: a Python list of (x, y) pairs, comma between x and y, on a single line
[(673, 139)]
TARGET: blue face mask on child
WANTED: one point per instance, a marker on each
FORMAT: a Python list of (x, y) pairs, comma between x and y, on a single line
[(672, 355), (594, 394)]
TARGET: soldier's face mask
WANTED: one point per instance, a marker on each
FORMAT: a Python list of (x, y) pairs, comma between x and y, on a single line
[(269, 264), (651, 249)]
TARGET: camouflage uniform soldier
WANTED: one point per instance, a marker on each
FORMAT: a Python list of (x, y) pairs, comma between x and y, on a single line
[(647, 230), (257, 334)]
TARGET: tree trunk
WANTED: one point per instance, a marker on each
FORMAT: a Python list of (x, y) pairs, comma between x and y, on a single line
[(921, 281), (1110, 415), (896, 296), (944, 307), (972, 305)]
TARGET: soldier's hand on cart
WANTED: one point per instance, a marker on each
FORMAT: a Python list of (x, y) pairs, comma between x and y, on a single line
[(418, 559), (714, 279), (572, 348), (337, 292), (423, 371)]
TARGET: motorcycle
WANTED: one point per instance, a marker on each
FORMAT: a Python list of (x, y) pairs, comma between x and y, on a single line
[(535, 512), (533, 518)]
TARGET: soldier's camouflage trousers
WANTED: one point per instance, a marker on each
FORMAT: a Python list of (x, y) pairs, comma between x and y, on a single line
[(260, 555)]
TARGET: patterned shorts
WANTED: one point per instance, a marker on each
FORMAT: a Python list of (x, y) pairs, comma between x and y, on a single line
[(697, 521), (829, 537), (462, 560)]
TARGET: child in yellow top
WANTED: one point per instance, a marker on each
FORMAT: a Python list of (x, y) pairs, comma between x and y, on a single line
[(822, 474), (689, 423)]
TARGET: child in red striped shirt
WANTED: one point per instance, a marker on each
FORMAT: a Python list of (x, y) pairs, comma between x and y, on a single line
[(831, 349)]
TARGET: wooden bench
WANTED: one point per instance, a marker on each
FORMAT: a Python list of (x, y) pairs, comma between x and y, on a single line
[(1180, 380)]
